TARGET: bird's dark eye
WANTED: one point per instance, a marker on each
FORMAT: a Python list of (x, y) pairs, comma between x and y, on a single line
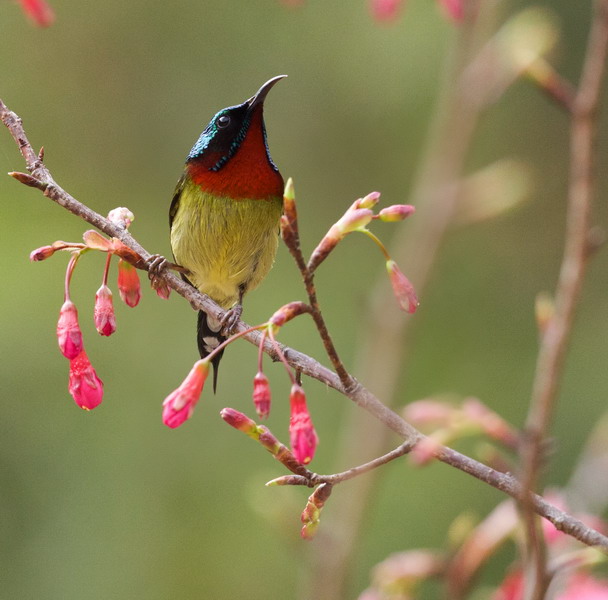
[(223, 121)]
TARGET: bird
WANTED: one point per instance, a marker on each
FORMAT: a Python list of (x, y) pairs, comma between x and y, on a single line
[(225, 214)]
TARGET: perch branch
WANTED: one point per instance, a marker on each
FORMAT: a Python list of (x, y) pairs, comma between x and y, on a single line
[(307, 365)]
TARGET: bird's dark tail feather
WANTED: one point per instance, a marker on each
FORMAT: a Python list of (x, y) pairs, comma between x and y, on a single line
[(208, 337)]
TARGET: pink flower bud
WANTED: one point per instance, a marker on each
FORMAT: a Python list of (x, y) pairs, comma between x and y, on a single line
[(84, 385), (42, 253), (105, 321), (240, 421), (179, 404), (121, 216), (402, 288), (38, 11), (128, 283), (161, 288), (352, 220), (302, 433), (397, 212), (261, 395), (368, 201), (385, 10), (69, 335), (311, 515)]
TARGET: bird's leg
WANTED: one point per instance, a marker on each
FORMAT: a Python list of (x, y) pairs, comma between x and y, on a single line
[(232, 317)]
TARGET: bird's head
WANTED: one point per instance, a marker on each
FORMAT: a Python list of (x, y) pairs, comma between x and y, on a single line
[(231, 156)]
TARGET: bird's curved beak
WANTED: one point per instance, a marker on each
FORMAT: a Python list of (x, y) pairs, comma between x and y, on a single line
[(263, 92)]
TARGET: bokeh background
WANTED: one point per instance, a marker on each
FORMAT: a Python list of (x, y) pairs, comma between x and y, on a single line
[(112, 504)]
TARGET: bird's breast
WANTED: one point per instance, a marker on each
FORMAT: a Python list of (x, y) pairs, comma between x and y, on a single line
[(227, 244)]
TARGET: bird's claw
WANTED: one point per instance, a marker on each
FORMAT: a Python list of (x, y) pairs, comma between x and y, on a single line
[(230, 319), (156, 265)]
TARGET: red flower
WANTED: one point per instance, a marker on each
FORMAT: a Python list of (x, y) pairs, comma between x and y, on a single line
[(38, 11), (403, 289), (69, 335), (179, 404), (261, 395), (302, 433), (84, 385), (105, 321), (128, 283)]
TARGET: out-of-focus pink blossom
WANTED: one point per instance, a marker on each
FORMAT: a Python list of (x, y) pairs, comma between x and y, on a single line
[(386, 10), (302, 433), (583, 586), (402, 288), (425, 450), (454, 9), (179, 404), (69, 335), (105, 320), (84, 385), (261, 394), (128, 283), (512, 588), (39, 12)]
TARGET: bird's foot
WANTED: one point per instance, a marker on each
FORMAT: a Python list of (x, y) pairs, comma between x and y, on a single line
[(156, 265), (231, 318)]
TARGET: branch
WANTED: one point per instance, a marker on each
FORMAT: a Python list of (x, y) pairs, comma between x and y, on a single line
[(550, 362), (42, 179)]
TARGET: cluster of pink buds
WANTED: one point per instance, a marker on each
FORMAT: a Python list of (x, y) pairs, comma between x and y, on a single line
[(356, 219), (450, 423), (84, 385), (38, 11)]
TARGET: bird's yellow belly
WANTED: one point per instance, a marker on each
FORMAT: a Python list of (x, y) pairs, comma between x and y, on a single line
[(227, 245)]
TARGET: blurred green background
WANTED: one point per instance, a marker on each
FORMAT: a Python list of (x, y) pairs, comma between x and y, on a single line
[(112, 504)]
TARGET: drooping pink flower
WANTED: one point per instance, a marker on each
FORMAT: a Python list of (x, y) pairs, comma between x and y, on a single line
[(38, 11), (179, 404), (302, 433), (84, 385), (386, 10), (402, 288), (128, 283), (261, 394), (105, 320), (69, 335)]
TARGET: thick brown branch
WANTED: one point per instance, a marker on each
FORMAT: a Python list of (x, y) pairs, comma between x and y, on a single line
[(307, 365)]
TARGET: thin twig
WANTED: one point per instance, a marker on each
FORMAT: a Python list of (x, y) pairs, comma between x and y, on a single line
[(549, 366), (307, 365), (291, 238), (314, 479)]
